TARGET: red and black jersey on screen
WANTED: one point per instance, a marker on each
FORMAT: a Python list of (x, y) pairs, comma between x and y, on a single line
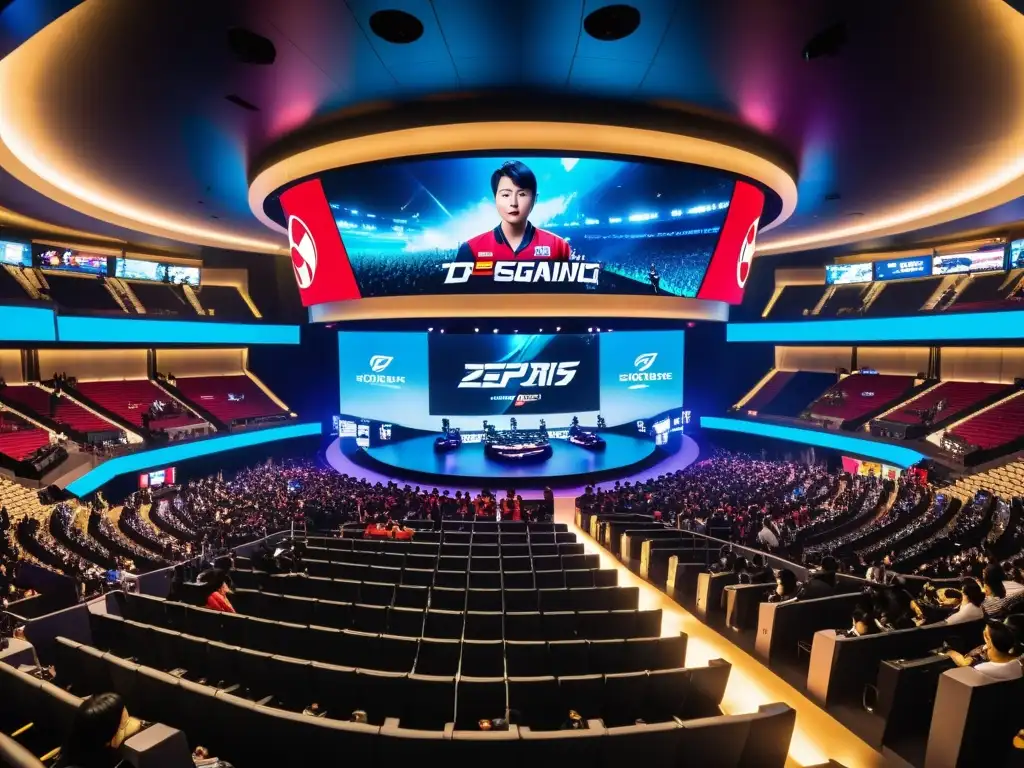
[(537, 244)]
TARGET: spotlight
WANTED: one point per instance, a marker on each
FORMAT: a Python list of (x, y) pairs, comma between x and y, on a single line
[(540, 330), (442, 330), (590, 330), (495, 330), (516, 331), (476, 330), (430, 329), (598, 330), (558, 328)]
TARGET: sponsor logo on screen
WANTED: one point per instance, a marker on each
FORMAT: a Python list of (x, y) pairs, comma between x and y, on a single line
[(524, 272), (378, 364), (747, 254), (303, 249), (500, 375), (319, 260), (643, 374), (730, 265)]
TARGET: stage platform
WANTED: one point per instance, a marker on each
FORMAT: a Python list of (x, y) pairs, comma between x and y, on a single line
[(568, 471)]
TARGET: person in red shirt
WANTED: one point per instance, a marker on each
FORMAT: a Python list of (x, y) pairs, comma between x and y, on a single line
[(514, 187), (218, 599)]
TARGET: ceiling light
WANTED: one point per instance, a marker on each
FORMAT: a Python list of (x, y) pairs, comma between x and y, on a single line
[(613, 22), (396, 27), (250, 48)]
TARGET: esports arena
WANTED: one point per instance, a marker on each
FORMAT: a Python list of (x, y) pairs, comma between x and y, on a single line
[(570, 383)]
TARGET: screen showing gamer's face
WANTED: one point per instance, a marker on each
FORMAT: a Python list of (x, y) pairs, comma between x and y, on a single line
[(514, 203)]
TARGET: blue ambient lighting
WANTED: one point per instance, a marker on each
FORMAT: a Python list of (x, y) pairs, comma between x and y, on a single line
[(173, 454), (109, 330), (948, 326), (896, 455), (26, 324)]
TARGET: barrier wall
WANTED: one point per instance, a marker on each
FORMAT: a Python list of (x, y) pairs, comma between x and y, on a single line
[(200, 362), (820, 359), (992, 364), (94, 364)]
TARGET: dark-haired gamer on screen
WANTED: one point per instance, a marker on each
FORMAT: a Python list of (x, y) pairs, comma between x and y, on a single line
[(515, 239)]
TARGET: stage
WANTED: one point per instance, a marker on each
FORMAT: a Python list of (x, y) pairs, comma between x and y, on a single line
[(569, 470)]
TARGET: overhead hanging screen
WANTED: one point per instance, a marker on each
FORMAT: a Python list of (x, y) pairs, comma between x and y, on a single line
[(523, 224), (846, 274), (988, 260), (901, 269), (15, 253), (69, 260)]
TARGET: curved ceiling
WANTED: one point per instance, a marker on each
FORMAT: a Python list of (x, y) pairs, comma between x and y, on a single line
[(115, 114)]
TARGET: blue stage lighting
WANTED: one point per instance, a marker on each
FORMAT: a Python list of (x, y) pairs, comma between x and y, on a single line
[(26, 324), (951, 326), (174, 454), (897, 455), (109, 330)]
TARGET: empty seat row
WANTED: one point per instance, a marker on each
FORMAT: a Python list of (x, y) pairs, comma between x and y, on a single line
[(320, 585), (417, 700), (153, 643), (250, 733), (414, 621), (301, 609), (316, 641), (457, 557)]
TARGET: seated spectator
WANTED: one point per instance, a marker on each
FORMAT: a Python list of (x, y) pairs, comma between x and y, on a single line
[(739, 569), (822, 583), (894, 609), (218, 599), (879, 572), (760, 573), (786, 587), (1003, 653), (864, 624), (102, 724), (1001, 595), (970, 603)]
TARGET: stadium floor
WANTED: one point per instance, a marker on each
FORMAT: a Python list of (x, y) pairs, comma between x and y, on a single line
[(528, 488)]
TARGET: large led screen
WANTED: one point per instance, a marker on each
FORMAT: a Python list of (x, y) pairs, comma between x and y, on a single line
[(491, 374), (988, 260), (901, 269), (847, 274), (416, 379), (522, 224), (69, 260), (16, 254)]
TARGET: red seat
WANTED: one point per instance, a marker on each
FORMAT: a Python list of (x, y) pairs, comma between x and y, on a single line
[(862, 393), (959, 396), (23, 442), (211, 392), (996, 426), (67, 412), (119, 396)]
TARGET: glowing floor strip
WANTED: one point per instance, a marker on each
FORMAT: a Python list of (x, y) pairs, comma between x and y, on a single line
[(817, 738)]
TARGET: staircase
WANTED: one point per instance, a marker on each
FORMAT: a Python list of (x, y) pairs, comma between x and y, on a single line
[(828, 294), (136, 434), (192, 299), (109, 284), (40, 420), (873, 292), (128, 295), (176, 394), (19, 276)]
